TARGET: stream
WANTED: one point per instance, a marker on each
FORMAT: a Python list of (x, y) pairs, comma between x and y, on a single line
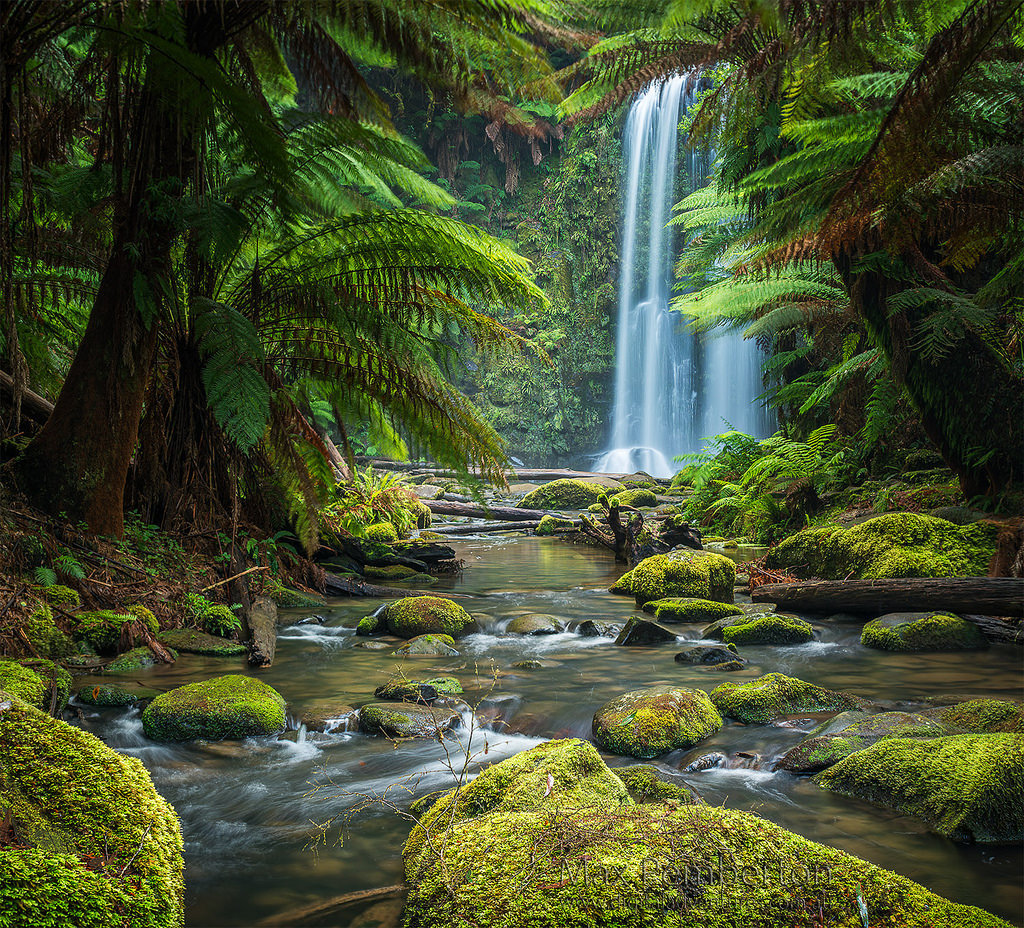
[(253, 811)]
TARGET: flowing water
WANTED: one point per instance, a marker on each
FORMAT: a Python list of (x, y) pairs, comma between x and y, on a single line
[(249, 810), (672, 388)]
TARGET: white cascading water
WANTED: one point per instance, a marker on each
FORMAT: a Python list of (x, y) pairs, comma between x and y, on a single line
[(672, 389)]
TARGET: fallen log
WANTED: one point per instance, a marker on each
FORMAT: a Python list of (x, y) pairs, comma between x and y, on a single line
[(488, 527), (336, 585), (262, 632), (316, 913), (545, 474), (993, 596), (443, 507)]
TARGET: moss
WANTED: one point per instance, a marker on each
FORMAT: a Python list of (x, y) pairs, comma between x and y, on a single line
[(135, 660), (549, 525), (144, 615), (775, 695), (371, 625), (899, 544), (647, 783), (563, 494), (231, 706), (104, 850), (636, 498), (422, 691), (24, 683), (54, 677), (220, 621), (46, 638), (966, 787), (107, 629), (61, 596), (406, 720), (527, 665), (682, 573), (981, 716), (690, 610), (381, 533), (391, 572), (431, 536), (424, 615), (922, 631), (192, 641), (113, 695), (654, 721), (287, 598), (533, 856), (428, 645), (769, 629)]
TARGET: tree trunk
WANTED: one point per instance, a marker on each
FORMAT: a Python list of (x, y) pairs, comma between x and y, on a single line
[(444, 507)]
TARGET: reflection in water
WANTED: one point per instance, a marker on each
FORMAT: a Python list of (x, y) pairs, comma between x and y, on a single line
[(247, 808)]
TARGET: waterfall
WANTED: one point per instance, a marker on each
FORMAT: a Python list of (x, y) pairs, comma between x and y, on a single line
[(671, 388)]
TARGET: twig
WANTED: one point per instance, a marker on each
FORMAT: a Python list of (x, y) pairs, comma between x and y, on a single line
[(235, 577), (142, 841)]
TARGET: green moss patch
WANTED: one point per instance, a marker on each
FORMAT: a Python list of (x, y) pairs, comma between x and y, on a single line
[(287, 598), (646, 783), (638, 498), (24, 683), (690, 610), (563, 495), (682, 573), (899, 544), (980, 716), (228, 707), (134, 661), (966, 787), (654, 721), (421, 691), (406, 720), (769, 629), (428, 646), (46, 638), (102, 848), (776, 695), (427, 615), (193, 641), (922, 631), (107, 630), (550, 525)]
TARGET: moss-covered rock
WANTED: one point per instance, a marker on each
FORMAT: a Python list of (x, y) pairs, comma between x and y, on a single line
[(107, 630), (381, 533), (899, 544), (561, 845), (830, 743), (407, 720), (922, 631), (769, 629), (966, 787), (46, 638), (400, 689), (638, 498), (980, 716), (219, 620), (428, 646), (646, 783), (639, 631), (775, 695), (134, 661), (228, 707), (62, 596), (563, 494), (326, 716), (56, 678), (708, 654), (681, 573), (26, 684), (72, 803), (550, 525), (427, 615), (390, 572), (535, 623), (654, 721), (113, 695), (287, 598), (193, 641), (690, 610)]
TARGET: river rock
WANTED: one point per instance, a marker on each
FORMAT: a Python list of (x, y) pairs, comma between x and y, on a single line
[(72, 802), (966, 787), (535, 623), (680, 573), (775, 695), (113, 695), (193, 641), (638, 631), (589, 628), (897, 544), (136, 660), (654, 721), (373, 645), (830, 743), (563, 495), (690, 610), (406, 720), (556, 842), (428, 645), (708, 654), (779, 628), (326, 716), (229, 707), (979, 716), (425, 615), (922, 631), (421, 691)]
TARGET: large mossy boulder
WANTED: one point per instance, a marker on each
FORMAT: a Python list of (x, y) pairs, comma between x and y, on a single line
[(563, 495), (922, 631), (549, 839), (681, 573), (37, 681), (653, 721), (775, 695), (966, 787), (407, 720), (426, 615), (136, 660), (95, 846), (776, 628), (551, 525), (637, 499), (980, 716), (193, 641), (690, 610), (401, 689), (228, 707), (899, 544)]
